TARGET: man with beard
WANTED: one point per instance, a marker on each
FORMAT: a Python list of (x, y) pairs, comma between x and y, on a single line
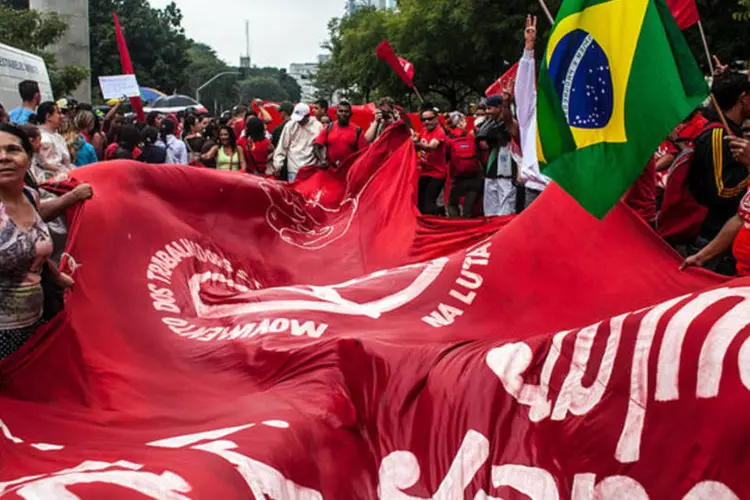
[(339, 140)]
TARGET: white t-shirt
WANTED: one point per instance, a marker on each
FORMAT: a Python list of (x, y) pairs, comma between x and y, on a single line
[(54, 150)]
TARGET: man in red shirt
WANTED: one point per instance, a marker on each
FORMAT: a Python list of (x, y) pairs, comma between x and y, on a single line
[(339, 140), (431, 142), (239, 117)]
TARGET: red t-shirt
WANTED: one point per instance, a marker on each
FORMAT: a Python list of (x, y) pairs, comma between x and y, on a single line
[(642, 196), (238, 127), (434, 163), (256, 154), (741, 246), (110, 151), (341, 142)]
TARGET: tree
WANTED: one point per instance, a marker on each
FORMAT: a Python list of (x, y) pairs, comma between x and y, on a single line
[(262, 87), (33, 32), (459, 47), (290, 85), (722, 30), (155, 37), (204, 65), (353, 67)]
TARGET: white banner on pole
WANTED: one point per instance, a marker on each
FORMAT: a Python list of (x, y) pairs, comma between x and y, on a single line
[(116, 86)]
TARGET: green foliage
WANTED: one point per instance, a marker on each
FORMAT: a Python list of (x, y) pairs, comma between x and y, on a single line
[(723, 31), (164, 58), (353, 67), (271, 84), (459, 47), (66, 79), (743, 12), (290, 85), (155, 38), (33, 32), (290, 89), (204, 65), (262, 87)]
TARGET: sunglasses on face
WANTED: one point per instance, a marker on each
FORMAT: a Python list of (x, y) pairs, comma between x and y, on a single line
[(427, 119)]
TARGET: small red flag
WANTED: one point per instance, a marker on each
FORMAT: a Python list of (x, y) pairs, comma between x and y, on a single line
[(685, 12), (403, 68), (505, 82), (127, 67)]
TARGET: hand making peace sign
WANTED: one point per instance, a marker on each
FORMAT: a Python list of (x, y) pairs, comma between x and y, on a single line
[(530, 32)]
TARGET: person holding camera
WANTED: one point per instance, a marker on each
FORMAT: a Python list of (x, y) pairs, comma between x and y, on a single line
[(500, 172), (386, 114)]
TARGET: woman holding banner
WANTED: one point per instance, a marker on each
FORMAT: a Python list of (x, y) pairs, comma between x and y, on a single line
[(25, 245)]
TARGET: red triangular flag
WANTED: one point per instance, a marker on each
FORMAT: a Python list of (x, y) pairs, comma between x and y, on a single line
[(408, 67), (127, 67), (505, 82), (685, 12), (403, 68)]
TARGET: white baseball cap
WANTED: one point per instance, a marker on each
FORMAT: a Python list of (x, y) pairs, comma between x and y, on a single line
[(301, 110)]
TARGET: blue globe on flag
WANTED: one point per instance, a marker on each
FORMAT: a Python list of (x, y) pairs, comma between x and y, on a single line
[(579, 69)]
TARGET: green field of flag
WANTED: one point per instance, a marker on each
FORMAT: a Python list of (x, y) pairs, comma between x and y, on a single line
[(616, 78)]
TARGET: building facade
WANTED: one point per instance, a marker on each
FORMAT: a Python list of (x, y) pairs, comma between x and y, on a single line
[(74, 48), (353, 5)]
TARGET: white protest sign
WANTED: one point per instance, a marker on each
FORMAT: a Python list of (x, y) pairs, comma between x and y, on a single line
[(116, 86)]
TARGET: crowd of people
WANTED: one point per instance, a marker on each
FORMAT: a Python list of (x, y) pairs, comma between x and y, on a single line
[(479, 163)]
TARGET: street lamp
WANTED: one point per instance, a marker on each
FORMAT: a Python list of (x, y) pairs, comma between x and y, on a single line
[(198, 92)]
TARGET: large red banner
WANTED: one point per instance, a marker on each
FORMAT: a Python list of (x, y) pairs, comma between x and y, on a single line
[(231, 336)]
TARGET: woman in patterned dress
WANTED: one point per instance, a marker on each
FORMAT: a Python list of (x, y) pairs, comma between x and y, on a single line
[(25, 245)]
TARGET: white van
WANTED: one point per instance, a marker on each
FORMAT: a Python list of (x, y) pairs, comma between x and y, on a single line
[(17, 66)]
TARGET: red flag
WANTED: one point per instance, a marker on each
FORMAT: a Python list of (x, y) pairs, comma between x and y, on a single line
[(265, 340), (685, 12), (408, 67), (127, 67), (505, 82), (403, 68)]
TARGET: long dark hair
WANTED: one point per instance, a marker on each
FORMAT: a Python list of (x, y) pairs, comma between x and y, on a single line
[(149, 136), (18, 132), (187, 127), (129, 137), (232, 138), (167, 128), (254, 129), (151, 118), (212, 130)]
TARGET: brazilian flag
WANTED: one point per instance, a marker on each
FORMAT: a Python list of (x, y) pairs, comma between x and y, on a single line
[(616, 78)]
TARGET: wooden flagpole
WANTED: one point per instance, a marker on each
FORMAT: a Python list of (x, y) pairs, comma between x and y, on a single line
[(547, 12), (711, 68), (705, 47)]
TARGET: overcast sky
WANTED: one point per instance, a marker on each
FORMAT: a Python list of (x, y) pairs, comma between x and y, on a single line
[(281, 31)]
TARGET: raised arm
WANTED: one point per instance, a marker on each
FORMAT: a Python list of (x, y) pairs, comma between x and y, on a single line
[(263, 112)]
